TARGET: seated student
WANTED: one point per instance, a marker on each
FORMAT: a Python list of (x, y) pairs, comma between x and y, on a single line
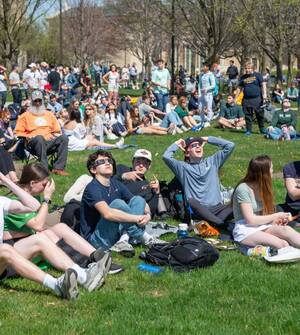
[(112, 120), (231, 115), (12, 262), (35, 181), (7, 165), (108, 209), (194, 102), (284, 122), (137, 125), (256, 222), (78, 138), (145, 107), (185, 115), (292, 92), (291, 175), (54, 106), (172, 117), (199, 176), (136, 182), (277, 94)]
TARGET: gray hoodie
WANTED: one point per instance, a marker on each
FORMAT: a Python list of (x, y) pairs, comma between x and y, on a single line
[(200, 180)]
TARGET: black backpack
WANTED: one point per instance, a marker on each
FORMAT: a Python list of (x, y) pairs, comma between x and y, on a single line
[(182, 254)]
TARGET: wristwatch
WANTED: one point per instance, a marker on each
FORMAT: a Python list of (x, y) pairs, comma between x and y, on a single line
[(47, 201)]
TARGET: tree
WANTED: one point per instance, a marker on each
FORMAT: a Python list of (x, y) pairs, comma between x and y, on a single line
[(16, 18)]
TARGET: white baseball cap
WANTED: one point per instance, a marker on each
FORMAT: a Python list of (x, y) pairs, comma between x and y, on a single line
[(143, 153)]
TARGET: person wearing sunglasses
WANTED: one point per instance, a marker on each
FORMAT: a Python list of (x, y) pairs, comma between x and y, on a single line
[(43, 135), (199, 176), (109, 210)]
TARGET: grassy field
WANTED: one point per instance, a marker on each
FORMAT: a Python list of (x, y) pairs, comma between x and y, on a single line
[(238, 295)]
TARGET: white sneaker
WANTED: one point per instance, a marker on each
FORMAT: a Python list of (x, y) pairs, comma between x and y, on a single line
[(112, 136), (183, 128), (154, 240), (120, 143), (67, 285), (123, 248), (178, 130), (206, 125)]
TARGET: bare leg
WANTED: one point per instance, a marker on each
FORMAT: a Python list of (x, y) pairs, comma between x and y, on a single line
[(286, 233), (36, 244), (187, 122), (10, 257), (264, 238), (78, 243), (225, 123)]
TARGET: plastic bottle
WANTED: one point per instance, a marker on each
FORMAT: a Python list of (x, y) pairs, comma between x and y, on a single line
[(182, 230), (150, 268), (262, 251)]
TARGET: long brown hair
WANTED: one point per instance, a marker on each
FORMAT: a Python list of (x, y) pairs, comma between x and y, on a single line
[(259, 174), (33, 172)]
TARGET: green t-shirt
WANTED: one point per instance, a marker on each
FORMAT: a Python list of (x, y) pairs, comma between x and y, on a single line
[(244, 194), (231, 112), (17, 222), (181, 112)]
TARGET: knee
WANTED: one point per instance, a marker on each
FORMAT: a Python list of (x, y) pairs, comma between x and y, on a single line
[(282, 244), (41, 240), (6, 252)]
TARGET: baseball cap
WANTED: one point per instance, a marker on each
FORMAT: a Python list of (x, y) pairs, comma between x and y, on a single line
[(32, 65), (143, 153), (191, 140), (36, 95)]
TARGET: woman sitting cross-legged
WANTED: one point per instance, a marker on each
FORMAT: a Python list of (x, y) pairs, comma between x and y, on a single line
[(185, 115), (256, 222), (78, 138)]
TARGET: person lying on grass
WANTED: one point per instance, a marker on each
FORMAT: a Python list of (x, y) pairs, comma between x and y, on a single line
[(199, 176), (11, 260), (35, 180), (256, 222)]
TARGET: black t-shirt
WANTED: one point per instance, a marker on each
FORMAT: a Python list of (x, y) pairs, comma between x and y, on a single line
[(292, 170), (54, 80), (251, 83), (94, 193), (232, 72)]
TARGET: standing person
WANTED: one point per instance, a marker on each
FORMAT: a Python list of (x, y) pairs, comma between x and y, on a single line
[(98, 73), (15, 82), (254, 89), (133, 76), (108, 209), (86, 80), (3, 85), (161, 81), (232, 73), (256, 222), (54, 79), (199, 176), (207, 84), (112, 78), (125, 76)]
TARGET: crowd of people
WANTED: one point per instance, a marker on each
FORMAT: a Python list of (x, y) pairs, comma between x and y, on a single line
[(109, 208)]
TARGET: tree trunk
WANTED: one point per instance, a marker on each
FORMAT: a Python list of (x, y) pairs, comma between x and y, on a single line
[(289, 73), (279, 73)]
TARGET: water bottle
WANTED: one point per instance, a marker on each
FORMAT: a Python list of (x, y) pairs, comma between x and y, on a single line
[(262, 251), (180, 204), (150, 268), (182, 230)]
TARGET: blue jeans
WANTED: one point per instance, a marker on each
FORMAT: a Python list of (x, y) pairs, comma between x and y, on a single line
[(162, 100), (171, 117), (3, 96), (277, 133), (107, 233)]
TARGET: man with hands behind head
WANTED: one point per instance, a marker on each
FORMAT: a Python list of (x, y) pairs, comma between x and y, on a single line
[(199, 176)]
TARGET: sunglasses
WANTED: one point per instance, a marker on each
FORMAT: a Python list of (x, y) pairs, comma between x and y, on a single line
[(195, 145), (103, 161), (38, 100)]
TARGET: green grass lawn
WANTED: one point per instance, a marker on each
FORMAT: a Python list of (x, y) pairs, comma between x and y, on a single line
[(238, 295)]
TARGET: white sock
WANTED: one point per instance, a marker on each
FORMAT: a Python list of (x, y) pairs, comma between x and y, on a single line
[(81, 274), (146, 237), (51, 282), (124, 237)]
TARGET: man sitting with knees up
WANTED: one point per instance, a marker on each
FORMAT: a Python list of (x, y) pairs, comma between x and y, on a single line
[(42, 133), (199, 176)]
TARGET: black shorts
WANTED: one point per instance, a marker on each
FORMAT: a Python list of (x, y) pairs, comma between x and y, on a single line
[(9, 272)]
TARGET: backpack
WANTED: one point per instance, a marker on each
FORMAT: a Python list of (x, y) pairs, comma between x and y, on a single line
[(183, 254), (71, 215)]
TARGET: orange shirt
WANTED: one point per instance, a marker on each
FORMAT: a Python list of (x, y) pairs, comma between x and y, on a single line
[(30, 125)]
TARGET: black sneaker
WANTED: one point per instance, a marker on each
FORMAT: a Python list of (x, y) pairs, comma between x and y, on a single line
[(115, 268)]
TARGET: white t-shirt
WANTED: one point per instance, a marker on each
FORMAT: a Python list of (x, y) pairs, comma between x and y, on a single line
[(14, 76), (3, 87), (4, 206)]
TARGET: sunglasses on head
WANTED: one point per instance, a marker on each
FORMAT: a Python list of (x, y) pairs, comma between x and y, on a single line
[(103, 161)]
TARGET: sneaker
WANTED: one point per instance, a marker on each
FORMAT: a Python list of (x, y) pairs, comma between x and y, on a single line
[(67, 285), (178, 130), (263, 131), (98, 254), (154, 240), (115, 268), (112, 136), (123, 248), (206, 125), (96, 273), (248, 133), (120, 143), (60, 172), (183, 128)]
